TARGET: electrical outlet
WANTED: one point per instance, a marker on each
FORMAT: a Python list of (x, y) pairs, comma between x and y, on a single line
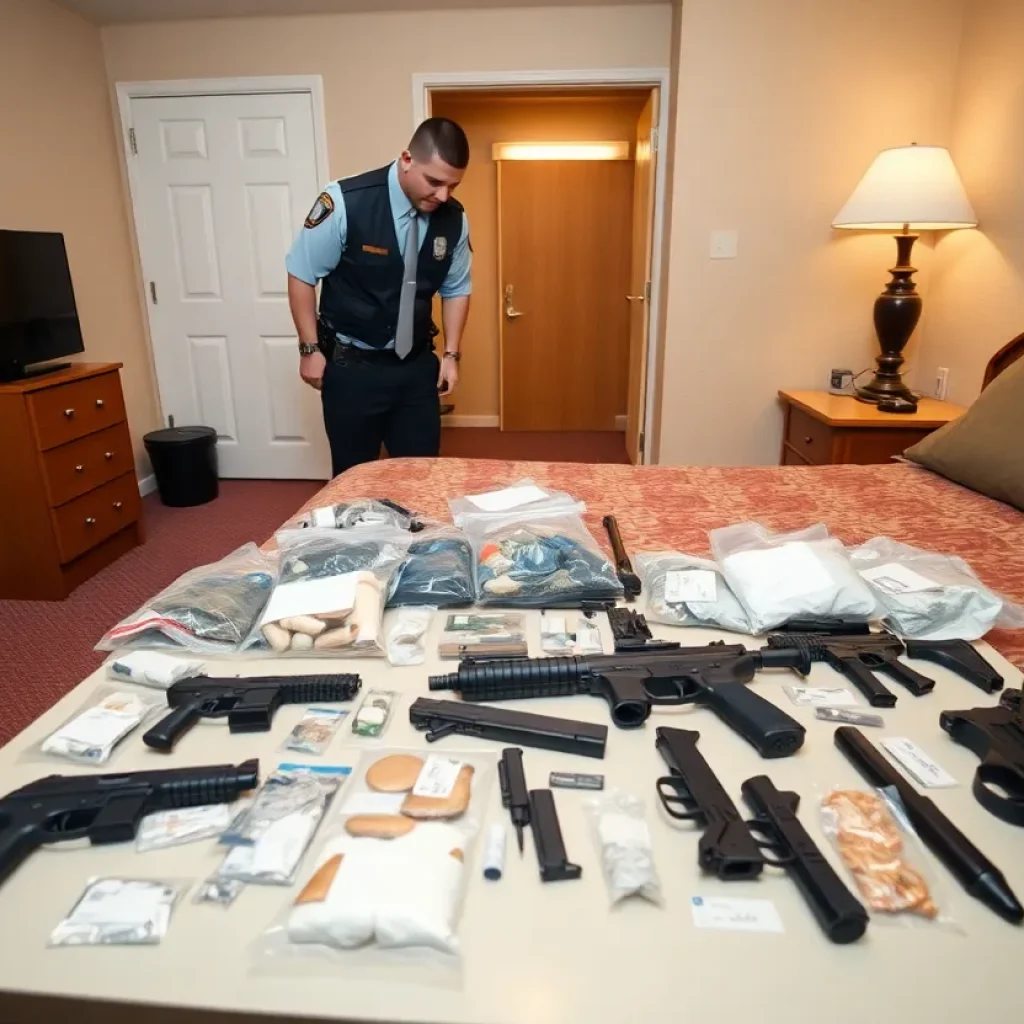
[(942, 382)]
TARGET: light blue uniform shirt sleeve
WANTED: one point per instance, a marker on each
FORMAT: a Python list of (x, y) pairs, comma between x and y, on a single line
[(317, 250), (459, 281)]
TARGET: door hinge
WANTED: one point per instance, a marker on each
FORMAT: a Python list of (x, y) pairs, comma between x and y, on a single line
[(642, 440), (132, 142), (152, 291), (647, 290), (654, 140)]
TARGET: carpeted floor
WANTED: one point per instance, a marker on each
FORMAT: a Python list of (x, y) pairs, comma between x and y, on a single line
[(48, 646), (591, 446)]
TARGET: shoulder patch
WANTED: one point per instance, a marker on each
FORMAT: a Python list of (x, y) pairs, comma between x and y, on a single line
[(321, 210)]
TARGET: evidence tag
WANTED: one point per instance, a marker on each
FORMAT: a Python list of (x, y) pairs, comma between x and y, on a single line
[(575, 780)]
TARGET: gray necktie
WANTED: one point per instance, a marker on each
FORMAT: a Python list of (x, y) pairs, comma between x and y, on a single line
[(403, 335)]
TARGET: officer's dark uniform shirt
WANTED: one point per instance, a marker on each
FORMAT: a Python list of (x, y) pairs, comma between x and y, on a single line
[(321, 242)]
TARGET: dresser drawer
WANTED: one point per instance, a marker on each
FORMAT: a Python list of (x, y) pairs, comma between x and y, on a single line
[(84, 522), (73, 410), (82, 465), (810, 438)]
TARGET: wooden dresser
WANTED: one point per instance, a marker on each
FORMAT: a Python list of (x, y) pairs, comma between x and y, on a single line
[(823, 429), (71, 501)]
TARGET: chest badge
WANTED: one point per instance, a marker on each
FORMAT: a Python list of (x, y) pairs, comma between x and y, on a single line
[(440, 247)]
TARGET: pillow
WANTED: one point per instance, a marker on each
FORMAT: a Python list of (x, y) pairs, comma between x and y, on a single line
[(984, 448)]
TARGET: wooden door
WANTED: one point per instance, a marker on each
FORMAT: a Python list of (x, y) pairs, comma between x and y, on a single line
[(223, 183), (639, 297), (564, 261)]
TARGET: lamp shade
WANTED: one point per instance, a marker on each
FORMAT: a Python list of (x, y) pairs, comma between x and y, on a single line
[(913, 185)]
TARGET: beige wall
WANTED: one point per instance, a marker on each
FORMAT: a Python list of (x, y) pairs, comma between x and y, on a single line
[(367, 60), (976, 302), (59, 172), (490, 120), (782, 104)]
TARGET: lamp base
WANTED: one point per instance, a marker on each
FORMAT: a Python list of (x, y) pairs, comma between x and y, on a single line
[(882, 387), (896, 313)]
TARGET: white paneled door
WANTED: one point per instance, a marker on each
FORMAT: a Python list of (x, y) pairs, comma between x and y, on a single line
[(220, 185)]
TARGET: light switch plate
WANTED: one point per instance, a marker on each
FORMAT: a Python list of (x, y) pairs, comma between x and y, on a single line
[(723, 245)]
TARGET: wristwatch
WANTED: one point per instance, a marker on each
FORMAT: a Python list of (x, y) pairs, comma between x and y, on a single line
[(453, 355), (306, 349)]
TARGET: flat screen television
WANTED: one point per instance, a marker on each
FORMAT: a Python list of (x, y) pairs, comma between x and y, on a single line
[(38, 316)]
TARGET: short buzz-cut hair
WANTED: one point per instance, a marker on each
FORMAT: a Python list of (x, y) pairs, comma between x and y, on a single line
[(439, 136)]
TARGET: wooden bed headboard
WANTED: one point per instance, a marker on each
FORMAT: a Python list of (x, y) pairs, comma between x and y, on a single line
[(1004, 358)]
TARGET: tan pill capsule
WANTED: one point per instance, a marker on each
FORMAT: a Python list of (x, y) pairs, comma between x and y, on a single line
[(278, 638)]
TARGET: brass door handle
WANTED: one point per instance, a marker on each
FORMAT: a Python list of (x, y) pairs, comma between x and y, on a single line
[(68, 413), (90, 520), (510, 310), (108, 455), (79, 468), (637, 298), (118, 504), (99, 403)]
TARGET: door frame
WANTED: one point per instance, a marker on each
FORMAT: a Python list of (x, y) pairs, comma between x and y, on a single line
[(312, 85), (424, 83)]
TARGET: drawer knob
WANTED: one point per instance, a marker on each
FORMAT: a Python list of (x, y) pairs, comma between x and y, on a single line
[(118, 504), (99, 403), (68, 413), (807, 440), (90, 520), (79, 468), (108, 455)]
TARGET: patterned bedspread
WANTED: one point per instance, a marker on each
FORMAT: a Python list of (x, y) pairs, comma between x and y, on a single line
[(661, 507)]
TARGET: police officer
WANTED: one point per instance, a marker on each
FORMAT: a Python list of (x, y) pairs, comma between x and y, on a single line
[(383, 244)]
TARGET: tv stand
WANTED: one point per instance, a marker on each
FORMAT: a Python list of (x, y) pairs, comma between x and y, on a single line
[(15, 373)]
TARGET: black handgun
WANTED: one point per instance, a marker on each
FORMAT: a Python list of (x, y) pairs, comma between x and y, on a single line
[(631, 683), (996, 735), (439, 718), (623, 566), (108, 808), (840, 914), (859, 658), (247, 703), (726, 848)]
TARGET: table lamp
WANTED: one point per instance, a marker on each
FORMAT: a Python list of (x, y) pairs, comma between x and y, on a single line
[(907, 189)]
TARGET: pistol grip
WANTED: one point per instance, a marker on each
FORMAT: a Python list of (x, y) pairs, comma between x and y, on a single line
[(768, 728), (16, 843), (864, 679), (165, 733), (627, 700), (1007, 779)]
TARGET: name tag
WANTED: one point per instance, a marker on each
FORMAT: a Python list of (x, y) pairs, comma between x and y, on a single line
[(375, 249)]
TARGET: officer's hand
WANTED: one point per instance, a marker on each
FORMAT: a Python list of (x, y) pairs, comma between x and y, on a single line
[(448, 378), (311, 369)]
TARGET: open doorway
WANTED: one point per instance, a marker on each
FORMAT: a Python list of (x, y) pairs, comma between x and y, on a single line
[(556, 349)]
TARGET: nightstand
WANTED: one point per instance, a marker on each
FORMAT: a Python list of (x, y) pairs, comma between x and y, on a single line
[(823, 429)]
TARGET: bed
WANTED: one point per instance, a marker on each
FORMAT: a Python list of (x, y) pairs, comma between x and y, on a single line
[(662, 507)]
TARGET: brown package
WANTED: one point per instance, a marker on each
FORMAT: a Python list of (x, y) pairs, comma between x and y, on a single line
[(396, 773), (378, 826), (450, 806)]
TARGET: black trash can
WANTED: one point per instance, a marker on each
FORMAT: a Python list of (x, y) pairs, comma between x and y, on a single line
[(184, 463)]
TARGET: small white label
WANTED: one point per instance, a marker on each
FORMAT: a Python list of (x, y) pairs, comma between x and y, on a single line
[(112, 901), (898, 579), (437, 778), (325, 518), (460, 620), (311, 597), (373, 803), (696, 585), (918, 763), (821, 696), (510, 497), (554, 624), (735, 915)]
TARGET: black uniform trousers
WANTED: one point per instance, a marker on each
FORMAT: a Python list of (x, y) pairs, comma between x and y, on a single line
[(374, 398)]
